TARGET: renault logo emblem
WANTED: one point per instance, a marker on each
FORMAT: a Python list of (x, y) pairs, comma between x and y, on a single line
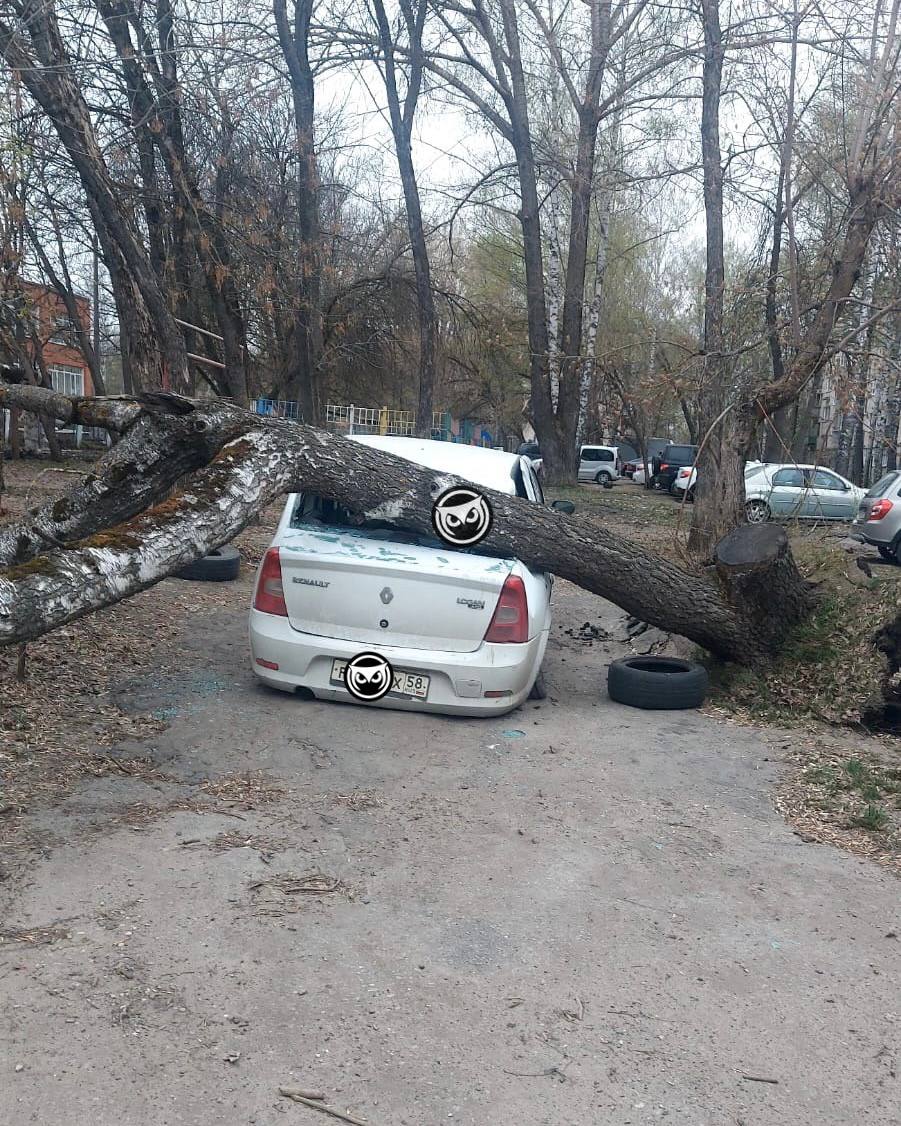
[(386, 595)]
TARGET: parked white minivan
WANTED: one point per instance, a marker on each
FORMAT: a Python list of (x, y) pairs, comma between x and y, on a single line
[(600, 464)]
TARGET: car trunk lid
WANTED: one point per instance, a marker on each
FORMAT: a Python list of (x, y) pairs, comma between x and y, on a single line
[(379, 587)]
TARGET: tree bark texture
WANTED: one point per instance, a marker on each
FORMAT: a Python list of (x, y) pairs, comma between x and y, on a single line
[(72, 573)]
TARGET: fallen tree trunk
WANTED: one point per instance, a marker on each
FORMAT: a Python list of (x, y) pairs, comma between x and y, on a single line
[(159, 447), (103, 552)]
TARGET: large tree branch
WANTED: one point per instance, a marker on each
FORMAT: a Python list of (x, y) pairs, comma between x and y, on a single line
[(273, 457), (159, 447)]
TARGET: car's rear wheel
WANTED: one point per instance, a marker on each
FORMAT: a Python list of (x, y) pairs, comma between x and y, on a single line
[(889, 553), (603, 478), (539, 688), (758, 511)]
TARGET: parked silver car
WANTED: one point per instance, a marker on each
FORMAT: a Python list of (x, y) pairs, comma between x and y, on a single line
[(878, 518), (799, 492), (599, 463)]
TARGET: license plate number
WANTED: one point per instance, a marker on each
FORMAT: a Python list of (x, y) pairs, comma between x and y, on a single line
[(406, 685)]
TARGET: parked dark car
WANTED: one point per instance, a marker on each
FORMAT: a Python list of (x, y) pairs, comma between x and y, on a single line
[(671, 459), (654, 447)]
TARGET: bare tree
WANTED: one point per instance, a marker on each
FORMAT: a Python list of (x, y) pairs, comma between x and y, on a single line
[(153, 348), (402, 110), (305, 376)]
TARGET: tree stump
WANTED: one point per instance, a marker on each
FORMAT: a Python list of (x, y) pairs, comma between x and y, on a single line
[(758, 573)]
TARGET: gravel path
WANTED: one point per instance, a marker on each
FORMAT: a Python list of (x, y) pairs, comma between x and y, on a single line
[(577, 914)]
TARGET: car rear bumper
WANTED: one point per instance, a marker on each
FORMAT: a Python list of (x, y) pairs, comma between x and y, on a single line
[(876, 533), (458, 684)]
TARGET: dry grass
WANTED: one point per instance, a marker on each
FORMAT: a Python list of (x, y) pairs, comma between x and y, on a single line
[(830, 669), (845, 792)]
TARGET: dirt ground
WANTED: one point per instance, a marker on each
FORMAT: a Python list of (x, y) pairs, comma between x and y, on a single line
[(577, 913)]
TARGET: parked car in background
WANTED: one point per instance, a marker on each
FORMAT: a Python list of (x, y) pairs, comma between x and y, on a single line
[(654, 446), (878, 517), (671, 459), (600, 464), (802, 492), (464, 633), (688, 475), (532, 451)]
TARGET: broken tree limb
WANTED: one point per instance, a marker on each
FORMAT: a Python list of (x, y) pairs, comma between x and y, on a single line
[(157, 450), (272, 457)]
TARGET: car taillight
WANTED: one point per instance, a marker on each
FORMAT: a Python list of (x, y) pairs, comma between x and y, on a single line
[(510, 621), (685, 472), (663, 465), (270, 595), (880, 508)]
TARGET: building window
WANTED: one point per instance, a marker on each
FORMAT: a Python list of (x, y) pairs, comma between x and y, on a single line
[(66, 380), (63, 331)]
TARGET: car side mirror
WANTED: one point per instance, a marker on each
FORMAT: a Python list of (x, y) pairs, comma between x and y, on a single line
[(565, 506)]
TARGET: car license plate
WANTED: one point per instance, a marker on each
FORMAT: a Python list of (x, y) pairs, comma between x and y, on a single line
[(406, 685)]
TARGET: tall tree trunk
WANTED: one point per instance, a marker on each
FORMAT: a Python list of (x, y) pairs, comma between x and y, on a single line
[(719, 492), (157, 117), (159, 353), (520, 136), (305, 374), (588, 373), (571, 341), (402, 115), (780, 428)]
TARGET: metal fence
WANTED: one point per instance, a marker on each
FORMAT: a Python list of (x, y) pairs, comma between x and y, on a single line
[(348, 418), (352, 419), (276, 408)]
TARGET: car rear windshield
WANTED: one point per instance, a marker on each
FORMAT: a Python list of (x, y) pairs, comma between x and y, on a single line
[(316, 511), (679, 453), (884, 484)]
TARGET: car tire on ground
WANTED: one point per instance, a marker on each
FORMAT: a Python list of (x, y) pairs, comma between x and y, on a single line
[(657, 682), (603, 478), (220, 566), (889, 553), (757, 511), (539, 688)]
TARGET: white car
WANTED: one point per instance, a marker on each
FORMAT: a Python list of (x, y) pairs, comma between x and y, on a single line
[(686, 478), (803, 492), (600, 464), (465, 633)]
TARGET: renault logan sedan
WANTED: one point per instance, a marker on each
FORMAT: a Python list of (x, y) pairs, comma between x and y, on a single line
[(464, 633)]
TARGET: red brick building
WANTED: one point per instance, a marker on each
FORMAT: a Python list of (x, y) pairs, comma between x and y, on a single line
[(57, 338)]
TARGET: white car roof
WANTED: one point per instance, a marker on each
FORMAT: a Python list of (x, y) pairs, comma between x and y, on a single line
[(491, 468), (774, 465)]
